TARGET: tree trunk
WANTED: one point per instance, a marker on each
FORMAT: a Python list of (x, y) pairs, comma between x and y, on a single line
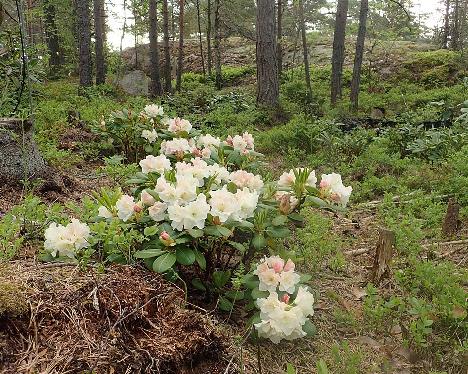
[(279, 47), (167, 52), (445, 35), (155, 88), (53, 45), (180, 59), (267, 58), (208, 36), (217, 45), (338, 50), (383, 256), (99, 30), (20, 158), (356, 81), (84, 42), (200, 37), (305, 50), (456, 26)]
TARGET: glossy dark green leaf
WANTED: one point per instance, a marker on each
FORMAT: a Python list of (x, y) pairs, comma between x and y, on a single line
[(185, 256), (164, 262), (198, 284), (148, 253), (220, 278)]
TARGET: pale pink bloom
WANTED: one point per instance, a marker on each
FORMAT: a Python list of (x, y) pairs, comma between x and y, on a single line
[(289, 266)]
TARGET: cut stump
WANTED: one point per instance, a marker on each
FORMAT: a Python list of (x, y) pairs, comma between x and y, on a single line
[(383, 256), (451, 221), (20, 158)]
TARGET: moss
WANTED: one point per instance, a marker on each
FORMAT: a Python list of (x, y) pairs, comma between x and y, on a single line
[(13, 301)]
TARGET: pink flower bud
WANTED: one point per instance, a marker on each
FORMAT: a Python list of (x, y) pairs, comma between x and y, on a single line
[(229, 140), (196, 152), (335, 197), (324, 184), (289, 265), (278, 267), (285, 298), (165, 236), (137, 208)]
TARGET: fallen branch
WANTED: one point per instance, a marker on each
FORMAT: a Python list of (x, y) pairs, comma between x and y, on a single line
[(438, 244), (357, 252)]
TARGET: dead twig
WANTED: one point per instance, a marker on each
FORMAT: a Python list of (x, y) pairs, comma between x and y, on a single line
[(357, 252)]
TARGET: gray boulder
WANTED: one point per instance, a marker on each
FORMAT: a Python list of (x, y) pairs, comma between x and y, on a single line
[(135, 82)]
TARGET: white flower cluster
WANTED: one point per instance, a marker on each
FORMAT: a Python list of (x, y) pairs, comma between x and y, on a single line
[(66, 240), (186, 201), (282, 318), (243, 143), (331, 187)]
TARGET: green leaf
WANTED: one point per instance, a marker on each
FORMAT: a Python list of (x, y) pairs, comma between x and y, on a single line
[(240, 247), (200, 258), (220, 278), (212, 230), (235, 295), (257, 294), (309, 328), (198, 284), (296, 217), (232, 187), (279, 220), (278, 231), (185, 256), (305, 278), (250, 281), (258, 241), (148, 253), (164, 262), (224, 231), (224, 304), (290, 369), (151, 230), (195, 233)]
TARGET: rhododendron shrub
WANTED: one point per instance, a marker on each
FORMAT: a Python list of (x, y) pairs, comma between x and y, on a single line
[(198, 201), (284, 302)]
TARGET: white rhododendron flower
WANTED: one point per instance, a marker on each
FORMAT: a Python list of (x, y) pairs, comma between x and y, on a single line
[(186, 188), (223, 204), (157, 211), (186, 217), (220, 173), (125, 207), (156, 164), (305, 301), (247, 202), (208, 142), (242, 143), (66, 240), (198, 169), (288, 281), (166, 190), (104, 212), (333, 187), (146, 198), (153, 111), (286, 198), (177, 125), (281, 317), (242, 178), (288, 179), (175, 146), (150, 135)]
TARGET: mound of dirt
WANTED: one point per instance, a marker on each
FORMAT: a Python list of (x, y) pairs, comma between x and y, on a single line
[(124, 321)]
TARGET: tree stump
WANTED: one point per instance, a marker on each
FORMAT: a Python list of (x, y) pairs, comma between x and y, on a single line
[(383, 255), (19, 155), (451, 221)]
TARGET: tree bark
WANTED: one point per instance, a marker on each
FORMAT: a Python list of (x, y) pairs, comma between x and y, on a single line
[(167, 52), (20, 158), (155, 88), (451, 220), (180, 59), (305, 49), (84, 42), (446, 32), (279, 47), (383, 256), (99, 30), (456, 26), (217, 45), (208, 36), (267, 58), (52, 39), (356, 81), (338, 51), (197, 4)]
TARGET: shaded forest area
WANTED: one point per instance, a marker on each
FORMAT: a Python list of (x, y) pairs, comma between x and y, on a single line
[(249, 187)]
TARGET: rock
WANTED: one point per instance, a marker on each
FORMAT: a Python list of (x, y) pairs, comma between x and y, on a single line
[(19, 155), (135, 83)]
